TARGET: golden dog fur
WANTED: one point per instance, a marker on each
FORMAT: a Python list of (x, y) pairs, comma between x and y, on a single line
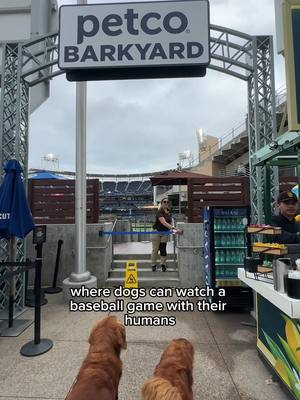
[(100, 373), (173, 376)]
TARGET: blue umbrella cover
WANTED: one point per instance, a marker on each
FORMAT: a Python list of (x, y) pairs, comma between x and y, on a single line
[(15, 215), (46, 175)]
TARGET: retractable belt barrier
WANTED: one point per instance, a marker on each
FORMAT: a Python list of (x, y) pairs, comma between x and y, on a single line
[(25, 266), (37, 346)]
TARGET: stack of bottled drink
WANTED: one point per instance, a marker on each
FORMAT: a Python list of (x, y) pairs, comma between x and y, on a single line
[(229, 241), (228, 224)]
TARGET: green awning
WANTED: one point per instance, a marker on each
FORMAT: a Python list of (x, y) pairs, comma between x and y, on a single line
[(285, 147)]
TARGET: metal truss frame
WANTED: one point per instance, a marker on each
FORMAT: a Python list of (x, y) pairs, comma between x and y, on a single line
[(251, 58), (14, 115), (246, 57), (261, 122)]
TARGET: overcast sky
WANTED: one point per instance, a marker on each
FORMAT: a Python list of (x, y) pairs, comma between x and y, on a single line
[(141, 125)]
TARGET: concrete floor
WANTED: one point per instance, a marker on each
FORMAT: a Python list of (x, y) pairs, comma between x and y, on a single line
[(226, 364)]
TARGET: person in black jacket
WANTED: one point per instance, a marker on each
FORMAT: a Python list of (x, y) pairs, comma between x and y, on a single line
[(163, 223), (288, 209)]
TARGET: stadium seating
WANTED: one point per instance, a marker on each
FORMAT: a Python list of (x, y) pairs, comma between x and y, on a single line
[(125, 197), (133, 186), (109, 187), (121, 187), (145, 187), (125, 187)]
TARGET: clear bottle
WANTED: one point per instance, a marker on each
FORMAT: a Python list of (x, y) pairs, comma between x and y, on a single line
[(233, 257), (241, 241), (234, 240), (242, 257), (217, 256), (216, 225), (229, 224), (222, 257), (228, 221), (236, 224), (226, 240), (229, 257), (222, 224), (219, 224), (239, 224), (225, 257), (220, 240)]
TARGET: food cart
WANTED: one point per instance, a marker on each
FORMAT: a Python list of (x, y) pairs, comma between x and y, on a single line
[(277, 314)]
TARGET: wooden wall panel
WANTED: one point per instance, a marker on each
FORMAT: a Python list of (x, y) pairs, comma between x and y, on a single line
[(52, 201)]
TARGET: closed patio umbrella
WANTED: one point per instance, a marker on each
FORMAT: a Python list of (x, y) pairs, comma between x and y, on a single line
[(15, 216)]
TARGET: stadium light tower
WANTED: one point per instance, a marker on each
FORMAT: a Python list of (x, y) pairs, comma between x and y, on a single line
[(202, 141), (186, 159)]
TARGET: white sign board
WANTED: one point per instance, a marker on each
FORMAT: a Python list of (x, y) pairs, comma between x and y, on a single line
[(162, 33), (278, 4)]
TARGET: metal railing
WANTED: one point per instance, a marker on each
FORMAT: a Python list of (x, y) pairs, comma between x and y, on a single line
[(228, 137), (241, 127), (234, 172), (281, 96), (105, 246)]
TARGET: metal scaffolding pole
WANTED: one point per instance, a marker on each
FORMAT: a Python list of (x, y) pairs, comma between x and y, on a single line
[(80, 272), (80, 275)]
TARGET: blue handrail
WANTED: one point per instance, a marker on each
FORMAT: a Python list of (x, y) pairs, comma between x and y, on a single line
[(101, 233)]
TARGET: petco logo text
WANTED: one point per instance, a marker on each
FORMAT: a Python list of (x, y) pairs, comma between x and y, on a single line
[(134, 34), (111, 23)]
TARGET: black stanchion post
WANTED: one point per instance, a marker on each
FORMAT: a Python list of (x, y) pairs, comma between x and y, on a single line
[(26, 281), (37, 346), (37, 307), (13, 327), (54, 289), (11, 302), (31, 294)]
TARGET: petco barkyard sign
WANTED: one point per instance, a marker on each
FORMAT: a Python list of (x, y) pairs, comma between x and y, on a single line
[(134, 40)]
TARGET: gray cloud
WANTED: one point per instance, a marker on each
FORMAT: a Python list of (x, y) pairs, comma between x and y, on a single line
[(141, 126)]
